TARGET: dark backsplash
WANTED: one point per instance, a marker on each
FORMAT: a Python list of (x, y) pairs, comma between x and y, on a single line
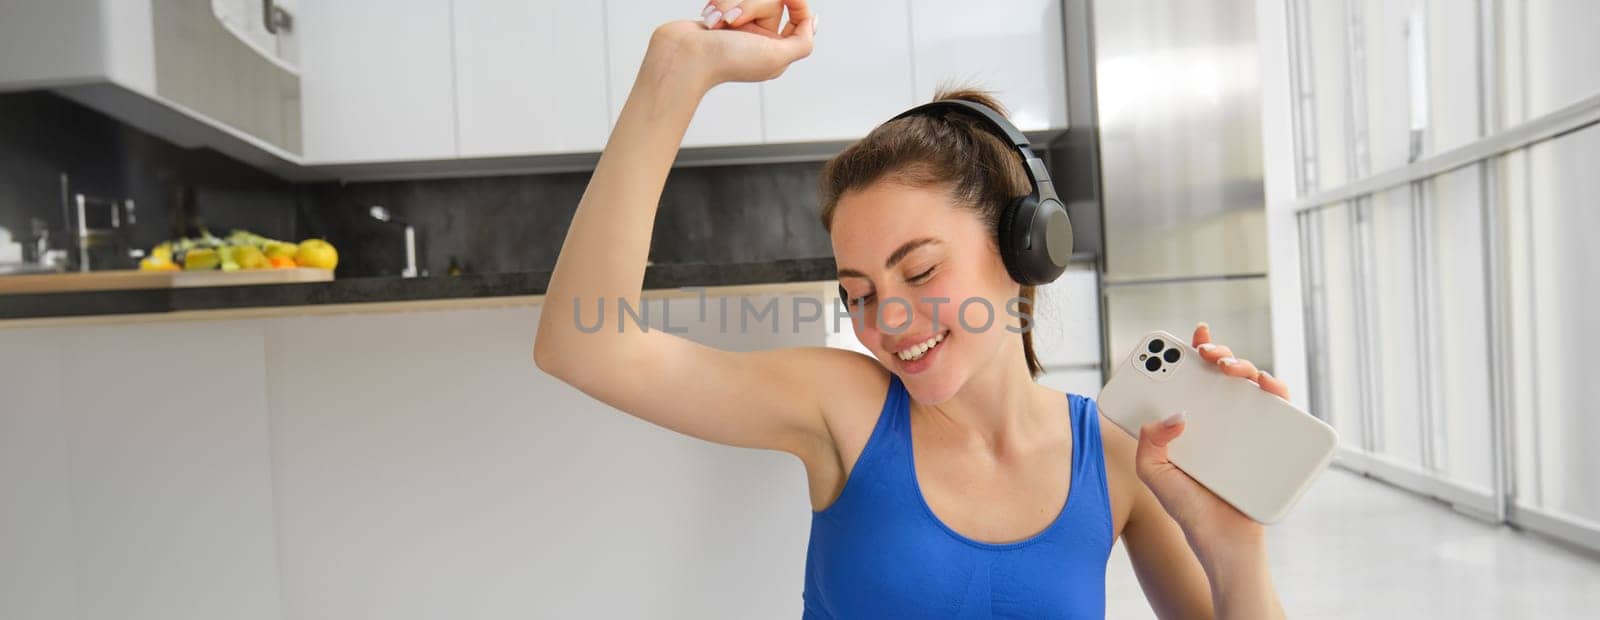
[(731, 214), (498, 224), (502, 224)]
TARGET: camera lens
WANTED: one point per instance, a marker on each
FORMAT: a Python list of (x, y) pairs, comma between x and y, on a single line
[(1152, 364), (1171, 355), (1157, 345)]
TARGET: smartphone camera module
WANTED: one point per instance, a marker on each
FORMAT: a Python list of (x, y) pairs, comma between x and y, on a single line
[(1158, 357)]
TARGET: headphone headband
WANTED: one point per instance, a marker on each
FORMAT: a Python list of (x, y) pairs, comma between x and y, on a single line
[(996, 121), (1038, 176)]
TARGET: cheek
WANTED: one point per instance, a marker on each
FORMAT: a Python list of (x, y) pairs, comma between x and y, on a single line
[(955, 290), (862, 326), (979, 317), (865, 329)]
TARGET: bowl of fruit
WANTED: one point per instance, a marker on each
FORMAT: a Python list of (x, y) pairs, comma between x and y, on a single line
[(240, 251)]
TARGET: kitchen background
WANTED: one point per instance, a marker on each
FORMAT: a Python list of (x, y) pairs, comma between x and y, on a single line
[(501, 224), (1380, 202)]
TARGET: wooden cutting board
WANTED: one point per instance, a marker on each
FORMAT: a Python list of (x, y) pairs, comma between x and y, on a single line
[(134, 279)]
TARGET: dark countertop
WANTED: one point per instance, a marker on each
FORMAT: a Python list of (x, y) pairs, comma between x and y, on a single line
[(388, 289)]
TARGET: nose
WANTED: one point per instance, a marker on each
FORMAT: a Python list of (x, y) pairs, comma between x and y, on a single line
[(892, 314)]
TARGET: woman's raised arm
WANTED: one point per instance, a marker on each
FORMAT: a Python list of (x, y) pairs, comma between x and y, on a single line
[(766, 399)]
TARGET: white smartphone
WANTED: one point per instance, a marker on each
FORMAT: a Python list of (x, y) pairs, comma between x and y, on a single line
[(1253, 449)]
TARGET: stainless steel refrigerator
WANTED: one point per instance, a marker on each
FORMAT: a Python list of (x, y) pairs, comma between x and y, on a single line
[(1177, 93)]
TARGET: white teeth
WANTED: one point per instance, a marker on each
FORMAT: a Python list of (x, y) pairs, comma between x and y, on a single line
[(915, 352)]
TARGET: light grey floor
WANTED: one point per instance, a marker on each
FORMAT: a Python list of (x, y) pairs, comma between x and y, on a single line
[(1359, 548)]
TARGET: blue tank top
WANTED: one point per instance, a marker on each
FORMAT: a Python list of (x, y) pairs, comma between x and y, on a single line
[(879, 551)]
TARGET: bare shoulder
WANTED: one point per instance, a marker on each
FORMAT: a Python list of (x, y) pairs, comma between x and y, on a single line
[(1122, 479), (853, 387)]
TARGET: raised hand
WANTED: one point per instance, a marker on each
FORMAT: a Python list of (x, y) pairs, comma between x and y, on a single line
[(751, 46), (765, 15)]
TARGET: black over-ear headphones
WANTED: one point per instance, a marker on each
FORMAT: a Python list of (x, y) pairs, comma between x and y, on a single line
[(1035, 236)]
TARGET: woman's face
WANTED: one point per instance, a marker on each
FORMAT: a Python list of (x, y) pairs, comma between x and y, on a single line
[(919, 259)]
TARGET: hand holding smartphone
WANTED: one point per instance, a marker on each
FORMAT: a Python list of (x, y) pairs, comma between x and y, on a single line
[(1251, 448)]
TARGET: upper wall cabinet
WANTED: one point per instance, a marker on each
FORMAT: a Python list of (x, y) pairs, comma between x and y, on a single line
[(377, 78), (235, 73), (858, 75), (313, 88), (191, 71), (729, 114), (530, 77), (1015, 51)]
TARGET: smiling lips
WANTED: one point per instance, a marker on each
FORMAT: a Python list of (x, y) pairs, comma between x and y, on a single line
[(916, 351)]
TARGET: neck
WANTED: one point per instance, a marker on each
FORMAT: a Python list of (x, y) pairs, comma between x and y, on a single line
[(996, 404)]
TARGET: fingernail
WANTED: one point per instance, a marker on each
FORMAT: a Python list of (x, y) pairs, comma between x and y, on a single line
[(813, 25), (713, 18), (1175, 419), (1207, 346), (733, 14), (1204, 325), (1228, 361), (707, 11)]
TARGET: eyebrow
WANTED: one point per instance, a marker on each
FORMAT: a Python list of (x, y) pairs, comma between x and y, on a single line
[(894, 257)]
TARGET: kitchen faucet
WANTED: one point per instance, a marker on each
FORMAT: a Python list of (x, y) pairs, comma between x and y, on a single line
[(384, 215)]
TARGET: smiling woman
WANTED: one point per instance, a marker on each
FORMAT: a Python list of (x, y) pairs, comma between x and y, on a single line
[(909, 163), (944, 480)]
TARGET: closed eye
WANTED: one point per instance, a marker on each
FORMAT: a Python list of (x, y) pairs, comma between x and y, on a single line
[(853, 300), (922, 276)]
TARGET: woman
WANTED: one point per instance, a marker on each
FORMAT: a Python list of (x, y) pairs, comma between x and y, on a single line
[(982, 517)]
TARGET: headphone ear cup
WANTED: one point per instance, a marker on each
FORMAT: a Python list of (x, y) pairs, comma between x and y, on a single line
[(1057, 227), (1010, 242)]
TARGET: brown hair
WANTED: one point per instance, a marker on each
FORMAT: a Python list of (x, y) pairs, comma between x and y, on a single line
[(982, 171)]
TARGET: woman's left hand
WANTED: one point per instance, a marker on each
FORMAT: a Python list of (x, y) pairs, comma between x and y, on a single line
[(1214, 529)]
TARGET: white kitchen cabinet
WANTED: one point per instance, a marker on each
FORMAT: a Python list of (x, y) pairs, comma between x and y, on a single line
[(172, 68), (248, 20), (49, 44), (170, 471), (36, 563), (377, 80), (858, 75), (426, 468), (729, 114), (136, 472), (530, 77), (1014, 50)]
